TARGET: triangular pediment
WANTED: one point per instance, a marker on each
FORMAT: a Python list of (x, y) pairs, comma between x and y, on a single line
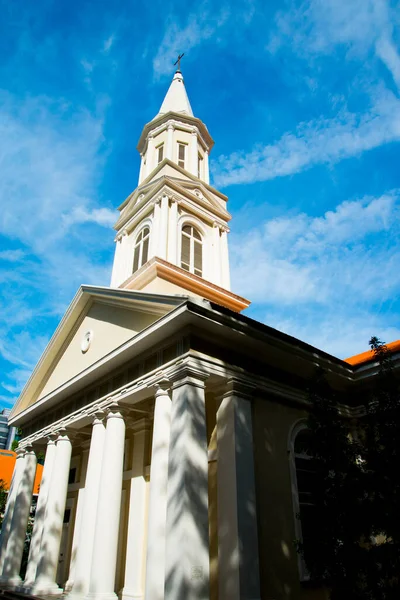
[(171, 179), (97, 323)]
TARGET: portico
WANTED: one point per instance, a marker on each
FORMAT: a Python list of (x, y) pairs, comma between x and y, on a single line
[(142, 532)]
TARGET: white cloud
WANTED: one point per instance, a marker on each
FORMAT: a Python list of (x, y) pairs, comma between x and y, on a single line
[(321, 260), (100, 216), (314, 142), (324, 279), (12, 255), (108, 43), (50, 157), (178, 38), (316, 27)]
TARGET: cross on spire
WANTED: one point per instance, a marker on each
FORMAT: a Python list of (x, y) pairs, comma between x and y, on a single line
[(178, 62)]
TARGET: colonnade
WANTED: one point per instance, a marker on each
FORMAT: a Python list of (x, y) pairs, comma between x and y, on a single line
[(167, 555)]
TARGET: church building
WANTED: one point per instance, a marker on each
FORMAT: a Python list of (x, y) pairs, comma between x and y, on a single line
[(169, 421)]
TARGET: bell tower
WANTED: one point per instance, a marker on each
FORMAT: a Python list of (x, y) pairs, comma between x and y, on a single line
[(172, 232)]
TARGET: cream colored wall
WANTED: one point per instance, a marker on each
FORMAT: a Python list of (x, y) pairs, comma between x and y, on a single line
[(111, 326), (279, 574), (169, 171), (160, 286)]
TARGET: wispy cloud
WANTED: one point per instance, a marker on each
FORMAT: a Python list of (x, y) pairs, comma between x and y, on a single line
[(316, 27), (50, 157), (12, 255), (314, 142), (323, 271), (320, 259), (183, 37)]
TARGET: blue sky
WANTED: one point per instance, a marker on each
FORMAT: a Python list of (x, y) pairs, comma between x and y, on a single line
[(303, 101)]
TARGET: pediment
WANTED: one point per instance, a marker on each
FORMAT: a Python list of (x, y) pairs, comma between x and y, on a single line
[(168, 178), (94, 326)]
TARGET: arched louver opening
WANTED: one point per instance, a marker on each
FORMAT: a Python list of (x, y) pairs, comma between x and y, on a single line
[(141, 249), (192, 250)]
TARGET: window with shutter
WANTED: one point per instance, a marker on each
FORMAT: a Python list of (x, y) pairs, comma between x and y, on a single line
[(160, 153), (141, 249), (181, 155), (192, 250), (199, 166)]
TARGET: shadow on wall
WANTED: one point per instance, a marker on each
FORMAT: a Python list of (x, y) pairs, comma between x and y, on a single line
[(280, 579)]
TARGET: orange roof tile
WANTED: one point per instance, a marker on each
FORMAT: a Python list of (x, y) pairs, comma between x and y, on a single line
[(364, 357), (7, 464)]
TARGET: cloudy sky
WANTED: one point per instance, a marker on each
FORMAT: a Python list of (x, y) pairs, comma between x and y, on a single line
[(303, 101)]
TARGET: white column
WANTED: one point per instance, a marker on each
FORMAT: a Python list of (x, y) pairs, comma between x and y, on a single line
[(19, 523), (187, 540), (149, 155), (156, 527), (75, 540), (141, 170), (46, 573), (135, 549), (193, 154), (216, 257), (225, 273), (104, 558), (206, 168), (173, 232), (8, 514), (121, 269), (163, 231), (93, 491), (37, 532), (155, 232), (170, 142), (238, 566)]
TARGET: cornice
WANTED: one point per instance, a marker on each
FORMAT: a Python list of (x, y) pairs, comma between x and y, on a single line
[(158, 267), (180, 118)]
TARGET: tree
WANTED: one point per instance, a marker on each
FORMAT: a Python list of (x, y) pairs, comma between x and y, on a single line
[(353, 544), (3, 500)]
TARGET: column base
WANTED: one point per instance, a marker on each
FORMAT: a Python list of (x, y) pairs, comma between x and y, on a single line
[(101, 596), (68, 587), (46, 589), (130, 595), (10, 583)]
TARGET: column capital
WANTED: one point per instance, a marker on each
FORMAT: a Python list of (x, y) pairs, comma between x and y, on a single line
[(97, 415), (234, 386), (185, 373), (114, 410), (162, 386), (20, 452)]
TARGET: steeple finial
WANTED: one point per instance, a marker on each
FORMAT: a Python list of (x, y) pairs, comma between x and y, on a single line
[(177, 99), (178, 62)]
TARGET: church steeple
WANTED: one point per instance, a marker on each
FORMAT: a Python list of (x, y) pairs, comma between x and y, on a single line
[(176, 99), (172, 233)]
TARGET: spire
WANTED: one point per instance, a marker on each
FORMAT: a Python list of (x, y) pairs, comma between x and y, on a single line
[(176, 99)]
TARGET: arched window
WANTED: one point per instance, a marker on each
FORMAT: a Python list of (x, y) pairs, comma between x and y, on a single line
[(141, 249), (303, 489), (192, 250)]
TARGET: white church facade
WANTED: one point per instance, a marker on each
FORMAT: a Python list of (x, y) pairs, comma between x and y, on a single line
[(167, 418)]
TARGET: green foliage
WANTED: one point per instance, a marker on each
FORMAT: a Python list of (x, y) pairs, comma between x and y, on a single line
[(353, 547), (3, 500), (14, 445)]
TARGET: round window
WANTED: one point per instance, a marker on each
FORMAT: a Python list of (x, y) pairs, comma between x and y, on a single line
[(86, 341)]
